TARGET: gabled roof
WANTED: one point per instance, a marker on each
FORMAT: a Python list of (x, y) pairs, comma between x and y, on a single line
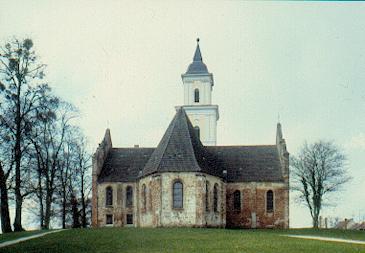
[(180, 150), (248, 163), (124, 164), (197, 66)]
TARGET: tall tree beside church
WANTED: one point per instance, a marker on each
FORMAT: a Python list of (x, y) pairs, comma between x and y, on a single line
[(83, 178), (318, 170), (5, 217), (5, 155), (48, 139), (20, 75)]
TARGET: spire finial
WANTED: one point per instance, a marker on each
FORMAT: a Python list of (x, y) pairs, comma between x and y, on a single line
[(197, 40)]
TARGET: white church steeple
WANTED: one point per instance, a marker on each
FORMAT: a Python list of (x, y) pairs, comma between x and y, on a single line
[(198, 85)]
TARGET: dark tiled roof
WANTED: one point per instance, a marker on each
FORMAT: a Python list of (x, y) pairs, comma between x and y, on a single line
[(180, 150), (248, 163), (197, 66), (124, 164)]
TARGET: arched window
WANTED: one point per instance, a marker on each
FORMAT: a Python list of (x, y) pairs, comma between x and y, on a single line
[(215, 198), (196, 95), (129, 196), (177, 195), (109, 196), (237, 200), (144, 197), (197, 131), (207, 196), (269, 201)]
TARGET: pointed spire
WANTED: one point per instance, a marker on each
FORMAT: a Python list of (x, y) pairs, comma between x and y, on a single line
[(197, 66), (197, 55)]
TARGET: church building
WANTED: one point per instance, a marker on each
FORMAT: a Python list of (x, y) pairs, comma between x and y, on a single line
[(187, 180)]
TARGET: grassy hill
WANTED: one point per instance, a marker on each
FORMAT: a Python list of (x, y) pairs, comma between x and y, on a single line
[(185, 240)]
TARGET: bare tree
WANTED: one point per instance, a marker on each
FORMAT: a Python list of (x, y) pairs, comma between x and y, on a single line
[(318, 170), (19, 74), (83, 177), (64, 176), (48, 138), (5, 217)]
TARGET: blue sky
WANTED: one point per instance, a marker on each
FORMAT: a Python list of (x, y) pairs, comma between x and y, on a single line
[(120, 63)]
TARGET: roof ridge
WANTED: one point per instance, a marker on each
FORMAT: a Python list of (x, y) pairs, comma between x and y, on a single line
[(253, 145), (133, 148), (167, 143), (191, 143)]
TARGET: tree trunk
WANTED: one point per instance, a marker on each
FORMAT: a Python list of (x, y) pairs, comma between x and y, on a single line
[(18, 157), (83, 204), (5, 217), (75, 212), (41, 212), (64, 208), (18, 196), (315, 222), (47, 217), (40, 198)]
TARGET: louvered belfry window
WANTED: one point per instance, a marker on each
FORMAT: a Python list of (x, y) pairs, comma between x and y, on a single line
[(196, 95)]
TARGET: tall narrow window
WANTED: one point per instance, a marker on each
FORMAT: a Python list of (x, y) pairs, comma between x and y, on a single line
[(177, 195), (207, 196), (197, 131), (269, 201), (215, 198), (109, 196), (129, 196), (237, 200), (196, 95), (144, 197)]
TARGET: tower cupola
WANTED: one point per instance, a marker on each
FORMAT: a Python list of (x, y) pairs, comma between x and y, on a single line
[(198, 86)]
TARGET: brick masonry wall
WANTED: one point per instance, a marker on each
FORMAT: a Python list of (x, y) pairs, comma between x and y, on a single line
[(159, 212), (253, 200)]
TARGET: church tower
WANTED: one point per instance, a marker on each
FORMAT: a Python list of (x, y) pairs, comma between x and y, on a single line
[(198, 85)]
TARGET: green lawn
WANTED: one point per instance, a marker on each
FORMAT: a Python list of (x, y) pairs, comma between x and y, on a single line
[(179, 240), (16, 235)]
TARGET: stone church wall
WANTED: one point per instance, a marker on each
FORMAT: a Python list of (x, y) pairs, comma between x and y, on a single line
[(253, 203), (159, 211), (119, 209), (179, 217), (212, 218), (149, 216)]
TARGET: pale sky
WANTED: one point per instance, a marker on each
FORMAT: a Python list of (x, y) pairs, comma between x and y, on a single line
[(121, 62)]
